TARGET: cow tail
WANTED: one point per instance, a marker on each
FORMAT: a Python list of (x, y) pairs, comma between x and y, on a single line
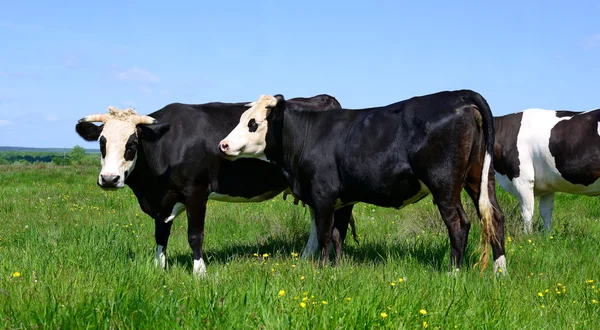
[(486, 209)]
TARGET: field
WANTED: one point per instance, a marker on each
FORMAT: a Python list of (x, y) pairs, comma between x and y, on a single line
[(73, 256)]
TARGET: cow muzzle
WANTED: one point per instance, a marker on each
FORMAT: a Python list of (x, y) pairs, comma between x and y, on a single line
[(110, 181), (225, 148)]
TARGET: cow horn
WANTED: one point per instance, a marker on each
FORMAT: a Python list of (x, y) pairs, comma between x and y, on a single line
[(93, 118), (142, 119), (251, 104)]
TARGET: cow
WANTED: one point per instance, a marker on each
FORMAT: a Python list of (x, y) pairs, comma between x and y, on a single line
[(171, 161), (390, 156), (538, 152)]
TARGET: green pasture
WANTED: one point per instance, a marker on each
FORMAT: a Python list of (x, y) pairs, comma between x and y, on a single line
[(73, 256)]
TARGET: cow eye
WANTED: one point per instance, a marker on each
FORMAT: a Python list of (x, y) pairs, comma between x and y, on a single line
[(103, 146), (252, 125), (130, 152)]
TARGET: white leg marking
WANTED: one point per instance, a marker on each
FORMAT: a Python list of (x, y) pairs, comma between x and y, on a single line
[(313, 243), (546, 208), (199, 268), (454, 272), (177, 209), (161, 258), (500, 265)]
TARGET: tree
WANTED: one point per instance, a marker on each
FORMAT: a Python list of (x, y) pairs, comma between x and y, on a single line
[(77, 154)]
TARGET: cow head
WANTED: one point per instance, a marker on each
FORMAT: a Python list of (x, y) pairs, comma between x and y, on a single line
[(248, 138), (118, 137)]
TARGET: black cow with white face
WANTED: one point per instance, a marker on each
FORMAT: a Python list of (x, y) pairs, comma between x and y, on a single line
[(539, 152), (390, 156), (171, 161)]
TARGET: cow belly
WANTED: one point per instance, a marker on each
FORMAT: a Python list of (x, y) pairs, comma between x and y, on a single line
[(397, 195), (240, 199), (552, 182), (422, 193)]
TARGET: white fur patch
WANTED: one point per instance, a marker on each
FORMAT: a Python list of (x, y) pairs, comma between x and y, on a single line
[(177, 210), (160, 259), (116, 132), (199, 268), (312, 246), (244, 143), (500, 266)]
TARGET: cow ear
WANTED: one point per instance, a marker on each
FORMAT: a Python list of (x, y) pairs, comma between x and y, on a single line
[(280, 100), (152, 132), (88, 131), (278, 108)]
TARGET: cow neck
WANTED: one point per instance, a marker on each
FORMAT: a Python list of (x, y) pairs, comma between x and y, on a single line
[(292, 130)]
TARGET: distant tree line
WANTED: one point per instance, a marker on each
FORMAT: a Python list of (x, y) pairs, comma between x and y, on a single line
[(76, 156)]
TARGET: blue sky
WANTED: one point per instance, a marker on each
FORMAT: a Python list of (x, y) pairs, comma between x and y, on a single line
[(59, 63)]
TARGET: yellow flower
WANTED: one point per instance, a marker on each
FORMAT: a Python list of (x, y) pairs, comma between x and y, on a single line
[(16, 274), (302, 304), (305, 299), (594, 301), (422, 311), (425, 325), (400, 280), (509, 239), (393, 283), (384, 315), (293, 266), (348, 298), (324, 302), (302, 278), (266, 255), (543, 306), (256, 254), (589, 281), (540, 294), (281, 293)]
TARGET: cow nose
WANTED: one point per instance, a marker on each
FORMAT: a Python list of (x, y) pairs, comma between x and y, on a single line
[(224, 146), (109, 180)]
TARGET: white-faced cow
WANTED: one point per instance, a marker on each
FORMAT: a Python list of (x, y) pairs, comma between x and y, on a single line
[(389, 156), (171, 161), (539, 152)]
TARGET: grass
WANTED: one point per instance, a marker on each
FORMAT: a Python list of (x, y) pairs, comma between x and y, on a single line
[(73, 256)]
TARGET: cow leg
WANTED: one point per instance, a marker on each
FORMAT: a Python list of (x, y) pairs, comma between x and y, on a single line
[(162, 231), (458, 228), (546, 208), (313, 243), (472, 187), (524, 190), (342, 218), (196, 211), (324, 224)]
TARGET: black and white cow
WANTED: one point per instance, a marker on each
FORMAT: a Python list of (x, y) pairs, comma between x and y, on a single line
[(389, 156), (172, 163), (539, 152)]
